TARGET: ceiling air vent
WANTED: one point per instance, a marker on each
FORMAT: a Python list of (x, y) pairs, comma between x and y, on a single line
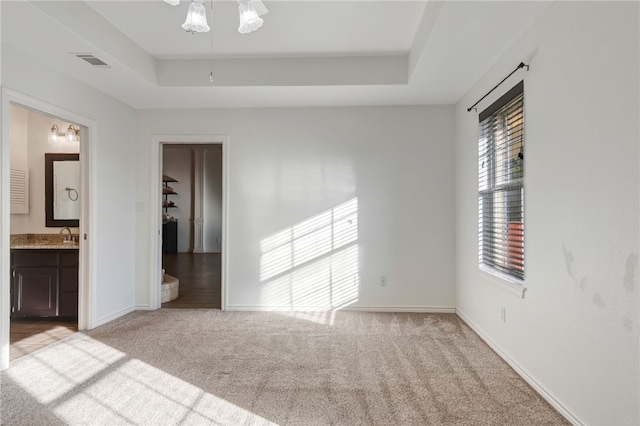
[(88, 57)]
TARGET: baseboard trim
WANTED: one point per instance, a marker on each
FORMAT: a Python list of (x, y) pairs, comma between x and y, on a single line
[(142, 307), (416, 309), (522, 372), (113, 316), (246, 308)]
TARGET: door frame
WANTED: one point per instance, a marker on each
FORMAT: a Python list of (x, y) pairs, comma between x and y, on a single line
[(155, 215), (87, 261)]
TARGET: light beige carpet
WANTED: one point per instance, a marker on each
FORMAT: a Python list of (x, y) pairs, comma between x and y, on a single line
[(208, 367)]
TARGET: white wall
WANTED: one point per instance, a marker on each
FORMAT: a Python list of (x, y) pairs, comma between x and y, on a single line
[(5, 303), (177, 164), (212, 199), (114, 174), (19, 137), (288, 165), (30, 138), (575, 332)]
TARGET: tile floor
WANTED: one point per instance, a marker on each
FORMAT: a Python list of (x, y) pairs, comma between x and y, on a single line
[(28, 336)]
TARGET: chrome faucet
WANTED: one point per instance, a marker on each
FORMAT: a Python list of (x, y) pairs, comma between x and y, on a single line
[(67, 238)]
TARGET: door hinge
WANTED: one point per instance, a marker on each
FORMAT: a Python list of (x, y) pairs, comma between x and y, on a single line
[(85, 236)]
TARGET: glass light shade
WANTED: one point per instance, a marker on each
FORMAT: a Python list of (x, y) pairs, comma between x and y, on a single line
[(172, 2), (249, 19), (196, 21), (72, 134), (53, 135)]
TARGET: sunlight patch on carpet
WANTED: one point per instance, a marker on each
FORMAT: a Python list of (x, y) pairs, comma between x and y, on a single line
[(83, 381), (50, 373)]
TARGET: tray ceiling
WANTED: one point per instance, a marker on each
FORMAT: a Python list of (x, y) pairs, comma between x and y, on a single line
[(308, 53)]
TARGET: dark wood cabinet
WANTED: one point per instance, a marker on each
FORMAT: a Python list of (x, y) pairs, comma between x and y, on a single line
[(35, 292), (68, 290), (44, 283), (170, 237)]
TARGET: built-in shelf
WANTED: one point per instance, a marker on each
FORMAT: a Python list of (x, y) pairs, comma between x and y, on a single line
[(169, 225), (166, 191)]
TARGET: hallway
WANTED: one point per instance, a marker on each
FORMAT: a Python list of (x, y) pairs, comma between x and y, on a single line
[(200, 280)]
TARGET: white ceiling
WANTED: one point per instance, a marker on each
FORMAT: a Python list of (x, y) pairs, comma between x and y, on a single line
[(308, 53), (291, 29)]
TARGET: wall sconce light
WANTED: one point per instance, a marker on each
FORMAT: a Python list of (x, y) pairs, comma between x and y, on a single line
[(71, 135), (55, 134)]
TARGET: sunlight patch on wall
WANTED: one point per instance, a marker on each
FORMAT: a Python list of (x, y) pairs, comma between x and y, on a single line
[(313, 265)]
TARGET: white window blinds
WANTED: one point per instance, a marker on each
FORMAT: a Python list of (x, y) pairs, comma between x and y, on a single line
[(500, 184)]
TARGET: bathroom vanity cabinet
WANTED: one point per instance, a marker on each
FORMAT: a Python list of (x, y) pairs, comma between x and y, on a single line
[(44, 282)]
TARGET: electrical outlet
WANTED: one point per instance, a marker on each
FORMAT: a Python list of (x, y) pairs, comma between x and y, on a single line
[(383, 281)]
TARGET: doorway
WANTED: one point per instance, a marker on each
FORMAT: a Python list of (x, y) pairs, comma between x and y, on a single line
[(192, 217), (86, 271), (47, 182)]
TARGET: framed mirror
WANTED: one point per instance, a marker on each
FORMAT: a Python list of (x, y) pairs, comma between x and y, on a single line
[(62, 190)]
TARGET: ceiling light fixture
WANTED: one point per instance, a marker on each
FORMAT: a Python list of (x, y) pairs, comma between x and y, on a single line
[(249, 11), (211, 63), (249, 19), (196, 21)]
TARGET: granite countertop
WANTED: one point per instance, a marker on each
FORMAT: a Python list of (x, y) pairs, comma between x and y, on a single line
[(43, 241)]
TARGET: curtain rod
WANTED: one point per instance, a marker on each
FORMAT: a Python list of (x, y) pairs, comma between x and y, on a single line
[(520, 65)]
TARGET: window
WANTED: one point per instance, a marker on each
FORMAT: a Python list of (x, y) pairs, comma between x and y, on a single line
[(500, 185)]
